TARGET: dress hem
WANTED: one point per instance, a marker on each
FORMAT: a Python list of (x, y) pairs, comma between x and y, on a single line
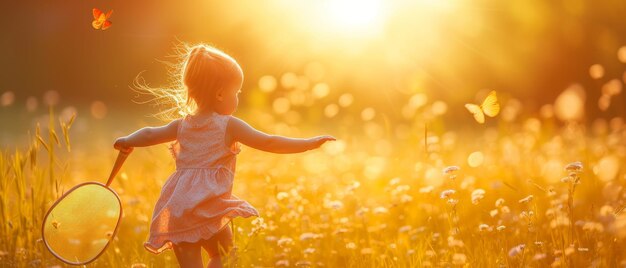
[(192, 236)]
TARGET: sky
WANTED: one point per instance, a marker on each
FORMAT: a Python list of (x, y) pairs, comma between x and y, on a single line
[(450, 50)]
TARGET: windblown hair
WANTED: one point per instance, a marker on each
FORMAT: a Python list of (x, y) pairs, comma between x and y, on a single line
[(195, 76)]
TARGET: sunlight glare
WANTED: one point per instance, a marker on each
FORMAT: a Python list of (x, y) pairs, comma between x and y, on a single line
[(354, 14)]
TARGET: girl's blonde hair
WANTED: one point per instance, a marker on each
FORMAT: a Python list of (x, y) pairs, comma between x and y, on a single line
[(198, 72)]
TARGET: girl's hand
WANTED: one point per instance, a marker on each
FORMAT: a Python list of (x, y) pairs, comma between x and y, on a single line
[(122, 145), (316, 142)]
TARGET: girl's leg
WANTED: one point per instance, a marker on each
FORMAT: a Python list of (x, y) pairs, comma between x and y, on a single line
[(188, 255), (222, 241)]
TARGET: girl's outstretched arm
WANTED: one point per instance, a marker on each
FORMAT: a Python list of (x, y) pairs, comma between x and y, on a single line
[(148, 136), (238, 130)]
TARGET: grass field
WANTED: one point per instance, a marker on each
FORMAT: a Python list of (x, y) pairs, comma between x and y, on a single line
[(526, 192)]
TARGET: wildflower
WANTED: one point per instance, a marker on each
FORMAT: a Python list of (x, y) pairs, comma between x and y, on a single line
[(350, 245), (404, 229), (453, 201), (282, 195), (526, 199), (560, 221), (606, 210), (574, 167), (303, 263), (380, 210), (282, 263), (308, 236), (309, 251), (477, 195), (583, 249), (138, 265), (459, 259), (447, 193), (539, 256), (493, 213), (285, 241), (450, 169), (484, 227), (593, 227), (499, 202), (453, 242), (361, 211), (334, 204), (505, 210), (501, 228), (427, 189), (516, 250)]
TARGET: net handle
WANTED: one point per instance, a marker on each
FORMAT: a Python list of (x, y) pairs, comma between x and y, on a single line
[(121, 157)]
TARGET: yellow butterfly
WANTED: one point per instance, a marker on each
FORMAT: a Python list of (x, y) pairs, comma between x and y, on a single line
[(490, 107)]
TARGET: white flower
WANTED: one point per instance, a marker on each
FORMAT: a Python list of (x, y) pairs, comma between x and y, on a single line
[(516, 250), (574, 166), (526, 199), (477, 195), (282, 195), (484, 227), (308, 236), (380, 210), (450, 169), (499, 202), (447, 193), (426, 189)]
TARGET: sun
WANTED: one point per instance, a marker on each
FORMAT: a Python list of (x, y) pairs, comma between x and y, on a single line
[(355, 15)]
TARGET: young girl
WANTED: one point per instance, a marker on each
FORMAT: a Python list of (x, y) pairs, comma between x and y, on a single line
[(196, 203)]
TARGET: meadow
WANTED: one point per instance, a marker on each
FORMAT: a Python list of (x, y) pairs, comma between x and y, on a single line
[(528, 188)]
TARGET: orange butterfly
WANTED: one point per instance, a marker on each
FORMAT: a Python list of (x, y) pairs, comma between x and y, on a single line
[(101, 20)]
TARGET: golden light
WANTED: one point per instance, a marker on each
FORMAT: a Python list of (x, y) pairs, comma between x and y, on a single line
[(355, 14)]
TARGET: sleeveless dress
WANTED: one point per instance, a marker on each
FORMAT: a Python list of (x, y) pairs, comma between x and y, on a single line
[(196, 200)]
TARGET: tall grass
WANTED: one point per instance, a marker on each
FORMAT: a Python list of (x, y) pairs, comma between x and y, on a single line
[(28, 185), (346, 206)]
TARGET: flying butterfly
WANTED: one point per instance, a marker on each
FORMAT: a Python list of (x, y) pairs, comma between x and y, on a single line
[(489, 107), (101, 20)]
